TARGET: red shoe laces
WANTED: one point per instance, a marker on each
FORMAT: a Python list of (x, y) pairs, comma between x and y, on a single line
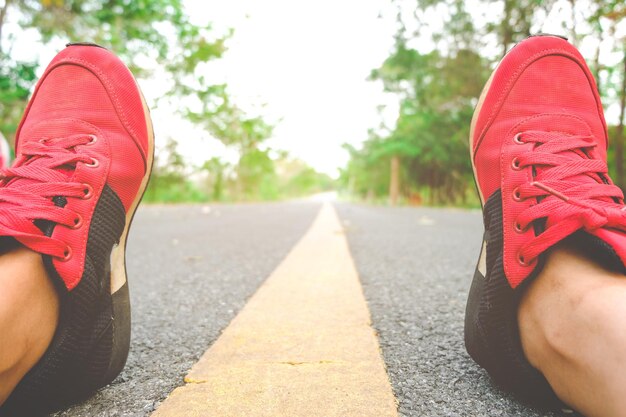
[(41, 172), (572, 189)]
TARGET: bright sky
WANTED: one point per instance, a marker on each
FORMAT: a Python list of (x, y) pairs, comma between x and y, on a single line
[(304, 65), (308, 63)]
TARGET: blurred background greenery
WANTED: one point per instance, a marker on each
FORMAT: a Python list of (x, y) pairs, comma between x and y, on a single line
[(423, 156), (442, 52)]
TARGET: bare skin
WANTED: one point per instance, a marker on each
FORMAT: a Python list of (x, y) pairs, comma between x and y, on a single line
[(29, 312), (572, 322)]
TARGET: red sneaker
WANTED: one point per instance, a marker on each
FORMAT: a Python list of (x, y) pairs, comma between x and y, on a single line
[(84, 154), (539, 144)]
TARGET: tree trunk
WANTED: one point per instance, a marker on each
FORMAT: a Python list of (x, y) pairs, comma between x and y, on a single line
[(596, 62), (394, 183), (619, 135), (505, 27), (218, 186)]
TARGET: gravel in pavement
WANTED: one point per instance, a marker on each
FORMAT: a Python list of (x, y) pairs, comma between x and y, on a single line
[(191, 269), (416, 266)]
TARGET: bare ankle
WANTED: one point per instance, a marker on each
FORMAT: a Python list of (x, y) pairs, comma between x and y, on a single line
[(572, 322), (29, 310)]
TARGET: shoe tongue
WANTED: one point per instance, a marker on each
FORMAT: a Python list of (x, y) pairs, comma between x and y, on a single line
[(47, 226), (605, 246)]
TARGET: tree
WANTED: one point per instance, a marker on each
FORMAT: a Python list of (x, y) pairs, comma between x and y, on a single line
[(518, 20), (232, 126), (144, 33), (153, 37), (169, 179), (437, 94), (216, 169), (297, 179), (437, 88), (615, 12)]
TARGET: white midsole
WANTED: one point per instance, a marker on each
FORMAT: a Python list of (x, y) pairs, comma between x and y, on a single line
[(118, 255)]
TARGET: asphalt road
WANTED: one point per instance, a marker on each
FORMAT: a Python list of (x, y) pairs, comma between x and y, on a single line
[(416, 266), (192, 268)]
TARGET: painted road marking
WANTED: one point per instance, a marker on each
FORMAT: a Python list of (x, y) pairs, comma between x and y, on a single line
[(302, 346)]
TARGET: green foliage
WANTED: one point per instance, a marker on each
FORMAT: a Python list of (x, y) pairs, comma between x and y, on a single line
[(229, 123), (215, 170), (169, 181), (438, 88), (16, 82), (144, 33), (257, 177), (156, 37), (365, 176), (140, 31), (437, 93), (166, 189), (297, 179)]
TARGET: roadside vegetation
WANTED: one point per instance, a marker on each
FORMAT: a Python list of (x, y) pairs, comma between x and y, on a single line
[(444, 51), (158, 38), (443, 54)]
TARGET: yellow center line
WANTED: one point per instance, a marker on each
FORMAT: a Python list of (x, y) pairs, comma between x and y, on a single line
[(302, 346)]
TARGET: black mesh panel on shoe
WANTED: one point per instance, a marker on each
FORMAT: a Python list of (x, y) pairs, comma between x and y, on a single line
[(596, 249), (77, 360), (491, 330)]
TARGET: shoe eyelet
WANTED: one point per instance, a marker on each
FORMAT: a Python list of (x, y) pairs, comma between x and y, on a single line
[(93, 164), (515, 164), (87, 192), (517, 196), (518, 139), (78, 222), (522, 261), (518, 227), (67, 254), (92, 139)]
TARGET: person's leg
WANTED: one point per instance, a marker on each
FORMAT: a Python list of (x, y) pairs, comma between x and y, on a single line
[(543, 318), (572, 322), (29, 311), (84, 154)]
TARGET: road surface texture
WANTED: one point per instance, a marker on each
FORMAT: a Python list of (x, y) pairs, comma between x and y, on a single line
[(193, 268), (416, 266)]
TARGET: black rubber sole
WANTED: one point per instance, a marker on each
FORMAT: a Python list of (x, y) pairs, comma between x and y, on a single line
[(120, 305)]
